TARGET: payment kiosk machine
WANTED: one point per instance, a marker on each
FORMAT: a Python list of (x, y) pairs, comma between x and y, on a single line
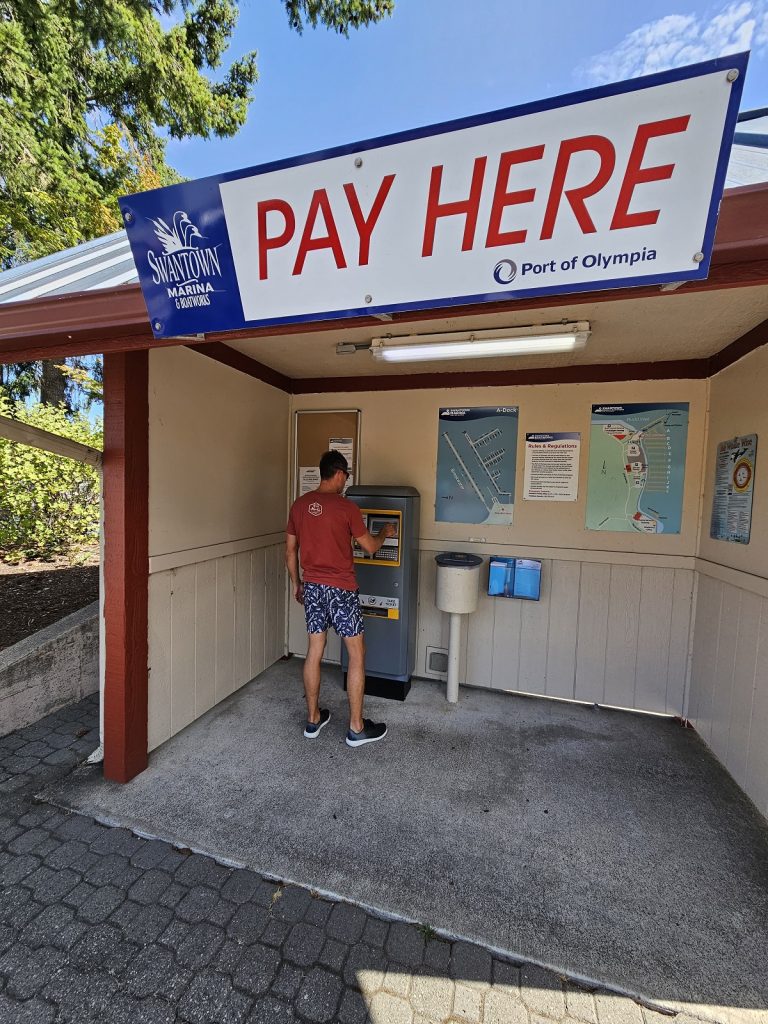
[(389, 585)]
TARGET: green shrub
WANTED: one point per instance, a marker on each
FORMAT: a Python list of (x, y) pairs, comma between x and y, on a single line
[(49, 505)]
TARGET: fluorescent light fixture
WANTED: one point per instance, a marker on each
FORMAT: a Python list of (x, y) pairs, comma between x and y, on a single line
[(518, 341)]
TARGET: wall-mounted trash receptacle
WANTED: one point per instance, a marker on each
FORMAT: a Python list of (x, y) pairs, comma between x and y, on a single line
[(457, 591)]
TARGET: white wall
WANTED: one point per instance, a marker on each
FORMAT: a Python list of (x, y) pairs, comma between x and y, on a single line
[(218, 452), (729, 679), (613, 625)]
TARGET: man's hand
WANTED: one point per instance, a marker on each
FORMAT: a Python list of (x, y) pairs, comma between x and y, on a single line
[(387, 531), (299, 593)]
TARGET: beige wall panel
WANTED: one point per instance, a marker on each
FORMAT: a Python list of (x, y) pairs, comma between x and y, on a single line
[(705, 644), (722, 691), (159, 697), (592, 635), (297, 629), (242, 654), (205, 637), (258, 611), (183, 673), (506, 644), (225, 627), (623, 626), (679, 642), (533, 641), (399, 444), (757, 757), (480, 642), (564, 615), (745, 663), (270, 608), (738, 406), (276, 601), (218, 453), (432, 630), (653, 638), (283, 595)]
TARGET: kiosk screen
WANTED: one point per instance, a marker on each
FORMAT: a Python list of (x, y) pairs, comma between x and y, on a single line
[(389, 552)]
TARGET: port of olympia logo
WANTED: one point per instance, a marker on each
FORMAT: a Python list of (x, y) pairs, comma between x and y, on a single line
[(505, 272)]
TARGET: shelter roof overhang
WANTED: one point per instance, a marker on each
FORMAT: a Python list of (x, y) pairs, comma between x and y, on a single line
[(115, 319)]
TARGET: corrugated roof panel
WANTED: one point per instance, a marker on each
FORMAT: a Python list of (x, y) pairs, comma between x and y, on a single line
[(90, 265)]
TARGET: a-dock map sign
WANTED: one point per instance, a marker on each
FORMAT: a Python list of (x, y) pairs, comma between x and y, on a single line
[(604, 188)]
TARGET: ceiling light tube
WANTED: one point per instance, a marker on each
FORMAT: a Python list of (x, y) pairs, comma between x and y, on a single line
[(482, 344)]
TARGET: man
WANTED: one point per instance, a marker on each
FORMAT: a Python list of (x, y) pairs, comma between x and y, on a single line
[(322, 524)]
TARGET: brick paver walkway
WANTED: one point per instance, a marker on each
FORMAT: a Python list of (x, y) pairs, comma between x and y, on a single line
[(99, 924)]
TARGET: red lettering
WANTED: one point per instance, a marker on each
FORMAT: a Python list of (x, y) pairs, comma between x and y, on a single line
[(576, 196), (637, 175), (319, 203), (267, 242), (365, 225), (502, 198), (468, 207)]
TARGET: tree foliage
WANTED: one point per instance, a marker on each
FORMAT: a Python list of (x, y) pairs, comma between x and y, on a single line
[(89, 93), (49, 505)]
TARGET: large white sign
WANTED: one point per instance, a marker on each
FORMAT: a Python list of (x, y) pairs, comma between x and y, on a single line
[(615, 186)]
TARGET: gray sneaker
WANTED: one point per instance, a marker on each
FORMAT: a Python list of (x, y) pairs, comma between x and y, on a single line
[(370, 732), (311, 729)]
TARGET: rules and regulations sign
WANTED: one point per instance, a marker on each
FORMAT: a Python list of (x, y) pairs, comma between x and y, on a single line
[(734, 484), (608, 187), (551, 467)]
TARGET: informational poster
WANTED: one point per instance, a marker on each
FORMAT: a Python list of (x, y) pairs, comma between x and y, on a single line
[(345, 446), (637, 467), (309, 479), (551, 467), (476, 464), (734, 484)]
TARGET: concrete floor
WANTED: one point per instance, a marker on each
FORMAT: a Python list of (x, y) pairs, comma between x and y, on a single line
[(607, 844)]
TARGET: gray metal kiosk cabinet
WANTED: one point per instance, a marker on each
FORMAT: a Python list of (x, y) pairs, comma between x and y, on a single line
[(389, 587)]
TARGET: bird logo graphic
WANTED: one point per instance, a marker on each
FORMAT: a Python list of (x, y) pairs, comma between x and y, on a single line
[(179, 236)]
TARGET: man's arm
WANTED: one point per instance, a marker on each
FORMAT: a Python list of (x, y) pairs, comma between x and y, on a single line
[(371, 543), (292, 565)]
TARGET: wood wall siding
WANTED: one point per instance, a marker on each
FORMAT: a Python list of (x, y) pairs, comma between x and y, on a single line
[(607, 633), (728, 703), (213, 626)]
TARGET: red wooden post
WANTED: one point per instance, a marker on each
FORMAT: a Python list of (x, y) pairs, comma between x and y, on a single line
[(126, 562)]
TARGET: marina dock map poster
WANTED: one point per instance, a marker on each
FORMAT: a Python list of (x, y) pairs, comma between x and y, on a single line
[(476, 464), (637, 467)]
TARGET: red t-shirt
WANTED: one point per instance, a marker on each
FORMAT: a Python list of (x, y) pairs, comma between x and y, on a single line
[(324, 525)]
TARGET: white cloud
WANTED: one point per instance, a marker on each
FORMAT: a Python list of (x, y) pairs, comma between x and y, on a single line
[(678, 39)]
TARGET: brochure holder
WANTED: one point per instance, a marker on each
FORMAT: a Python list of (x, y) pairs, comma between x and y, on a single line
[(515, 577)]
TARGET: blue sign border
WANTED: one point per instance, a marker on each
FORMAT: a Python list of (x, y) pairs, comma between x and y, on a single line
[(189, 193)]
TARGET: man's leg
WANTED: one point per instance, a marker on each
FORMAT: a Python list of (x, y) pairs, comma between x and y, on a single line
[(355, 679), (315, 653)]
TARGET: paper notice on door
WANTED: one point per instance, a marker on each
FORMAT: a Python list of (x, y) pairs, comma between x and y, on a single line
[(345, 447), (309, 479)]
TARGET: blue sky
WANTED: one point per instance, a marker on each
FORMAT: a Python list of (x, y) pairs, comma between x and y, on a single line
[(439, 59)]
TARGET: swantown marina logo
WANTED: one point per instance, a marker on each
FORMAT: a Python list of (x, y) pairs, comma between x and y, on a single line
[(187, 265)]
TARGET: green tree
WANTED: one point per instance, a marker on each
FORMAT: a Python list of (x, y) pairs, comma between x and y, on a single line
[(49, 505), (92, 91)]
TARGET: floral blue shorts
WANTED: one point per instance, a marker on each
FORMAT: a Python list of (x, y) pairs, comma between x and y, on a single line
[(326, 606)]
